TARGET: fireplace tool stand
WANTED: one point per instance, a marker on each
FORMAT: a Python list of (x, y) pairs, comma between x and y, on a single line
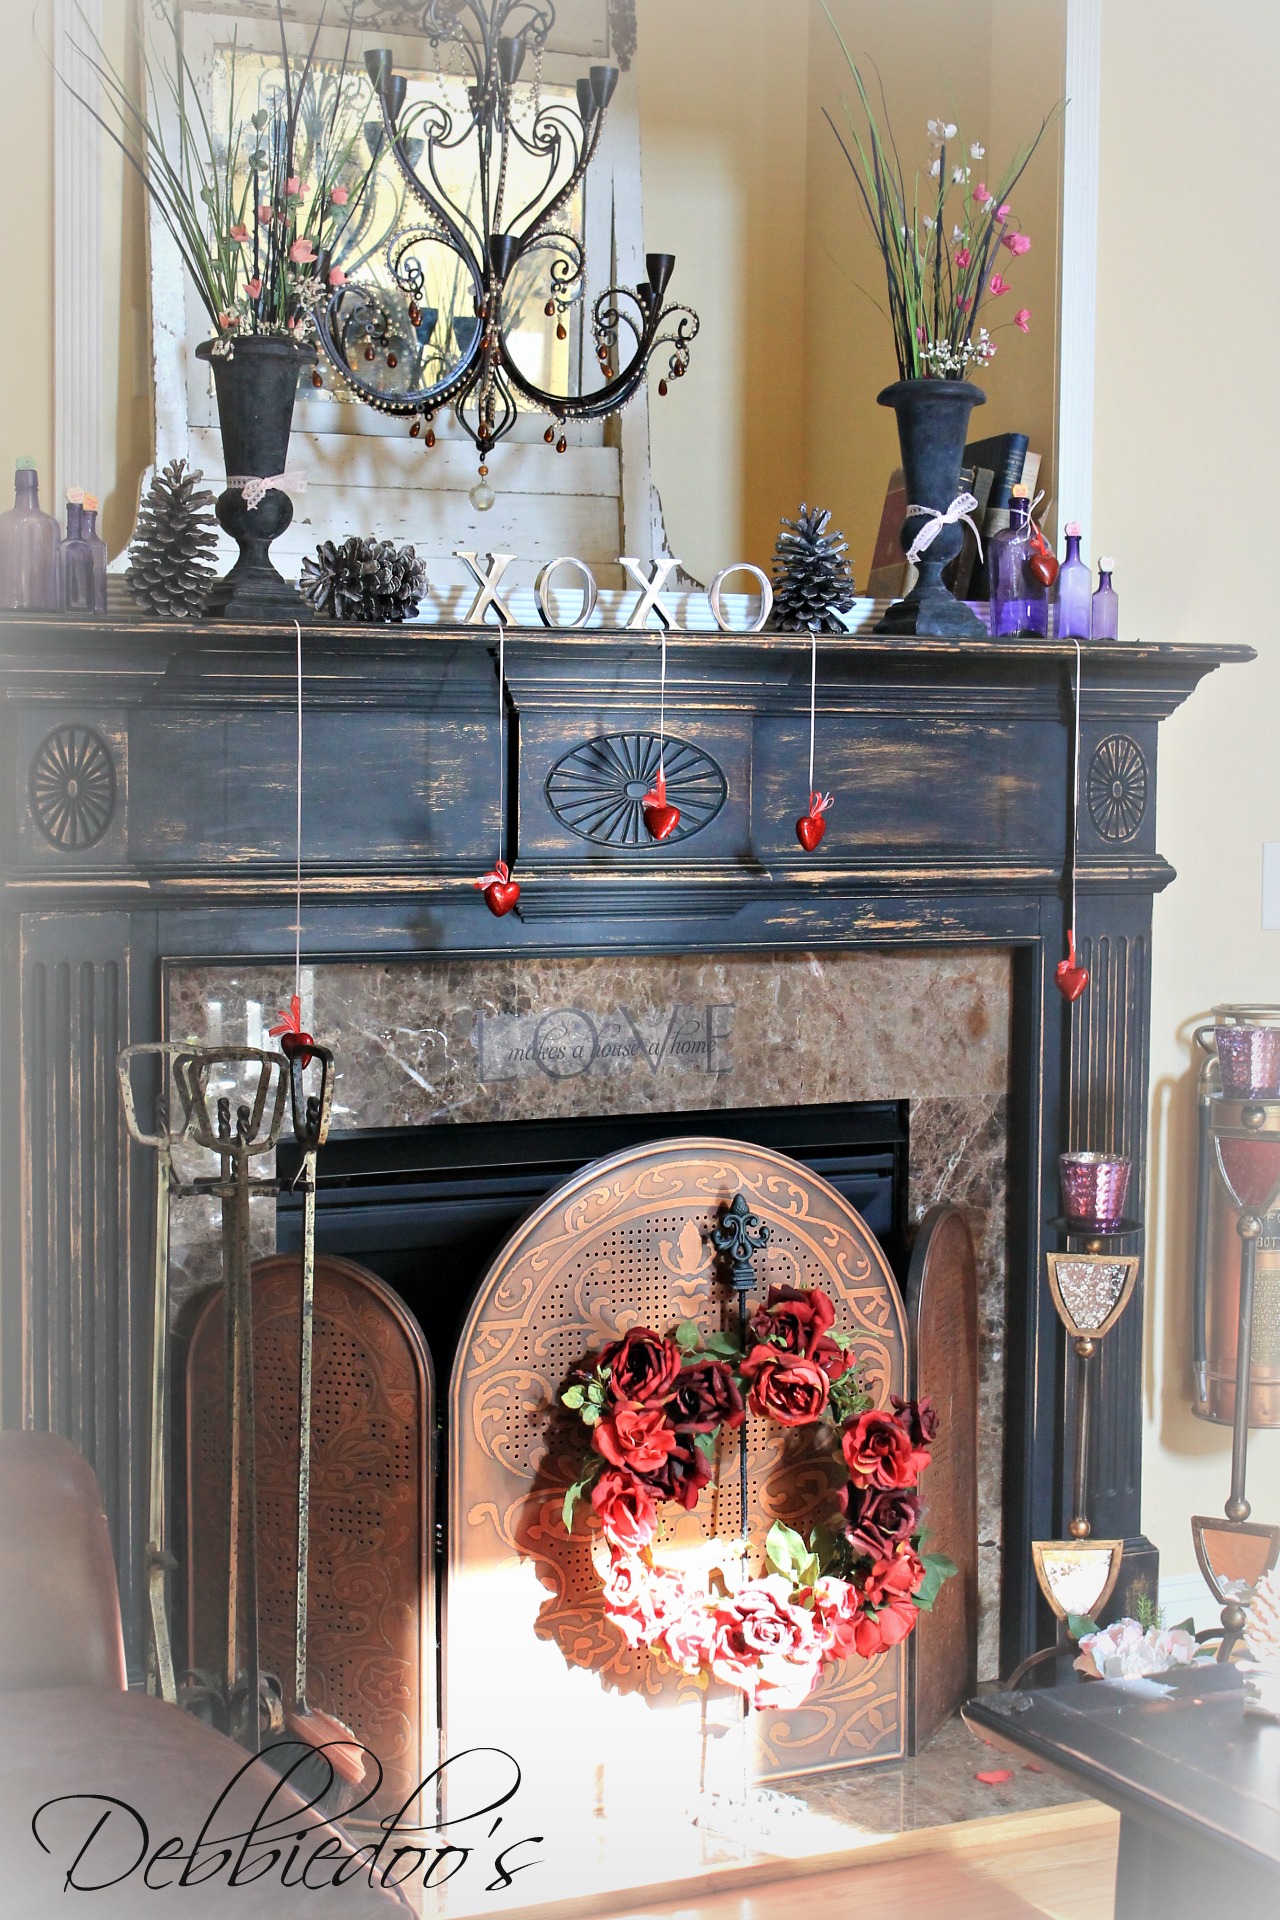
[(1241, 1142)]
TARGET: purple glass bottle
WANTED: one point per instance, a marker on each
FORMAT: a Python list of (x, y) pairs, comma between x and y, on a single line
[(98, 547), (1106, 604), (28, 548), (75, 560), (1074, 591), (1019, 600)]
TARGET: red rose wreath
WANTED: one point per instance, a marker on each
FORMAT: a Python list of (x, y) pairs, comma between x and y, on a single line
[(655, 1406)]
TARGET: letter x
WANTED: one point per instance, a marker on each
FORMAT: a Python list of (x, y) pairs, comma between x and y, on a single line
[(649, 589), (488, 595)]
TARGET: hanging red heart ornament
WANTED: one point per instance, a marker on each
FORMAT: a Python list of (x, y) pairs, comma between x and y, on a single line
[(500, 891), (660, 817), (1043, 562), (811, 826), (295, 1042), (1071, 978)]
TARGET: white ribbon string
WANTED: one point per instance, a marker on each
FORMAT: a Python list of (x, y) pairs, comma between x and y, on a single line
[(297, 921), (502, 747), (961, 508), (813, 698), (662, 714), (255, 488)]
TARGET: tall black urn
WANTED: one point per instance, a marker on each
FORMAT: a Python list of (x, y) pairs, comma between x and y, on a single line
[(933, 425), (256, 383)]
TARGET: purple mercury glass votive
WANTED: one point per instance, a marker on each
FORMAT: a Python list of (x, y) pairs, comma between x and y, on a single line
[(1249, 1061), (1095, 1187)]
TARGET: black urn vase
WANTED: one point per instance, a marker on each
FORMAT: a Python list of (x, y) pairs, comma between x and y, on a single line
[(933, 425), (256, 383)]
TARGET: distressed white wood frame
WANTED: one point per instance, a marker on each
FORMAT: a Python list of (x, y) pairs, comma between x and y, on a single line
[(79, 369), (1077, 322), (365, 474)]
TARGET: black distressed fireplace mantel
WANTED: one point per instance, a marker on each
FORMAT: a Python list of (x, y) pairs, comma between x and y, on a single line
[(149, 815)]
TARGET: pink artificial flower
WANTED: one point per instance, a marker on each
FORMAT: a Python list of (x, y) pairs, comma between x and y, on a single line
[(227, 319), (999, 285), (293, 187), (240, 234), (264, 214), (981, 195), (963, 257), (254, 289), (1017, 243), (1002, 213), (303, 252), (964, 303), (339, 196), (337, 278), (1022, 319)]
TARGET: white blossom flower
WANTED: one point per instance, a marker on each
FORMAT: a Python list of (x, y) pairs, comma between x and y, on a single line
[(1125, 1652), (977, 150), (959, 175), (935, 169), (957, 235), (942, 129), (927, 222)]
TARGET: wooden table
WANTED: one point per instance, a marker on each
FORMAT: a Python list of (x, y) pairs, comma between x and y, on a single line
[(1196, 1781)]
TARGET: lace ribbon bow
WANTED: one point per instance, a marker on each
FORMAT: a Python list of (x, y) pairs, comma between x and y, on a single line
[(255, 489), (961, 508)]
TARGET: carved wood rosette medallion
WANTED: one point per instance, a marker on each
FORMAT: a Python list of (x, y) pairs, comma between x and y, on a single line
[(623, 1244)]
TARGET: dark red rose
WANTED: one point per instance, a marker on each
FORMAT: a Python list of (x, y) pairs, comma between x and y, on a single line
[(797, 1319), (642, 1365), (878, 1451), (634, 1437), (920, 1418), (878, 1517), (682, 1475), (706, 1396), (784, 1387), (626, 1509)]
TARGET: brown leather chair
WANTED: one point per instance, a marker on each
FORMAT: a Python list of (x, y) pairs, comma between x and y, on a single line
[(70, 1730)]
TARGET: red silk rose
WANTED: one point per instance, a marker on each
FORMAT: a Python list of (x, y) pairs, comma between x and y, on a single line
[(682, 1475), (837, 1609), (706, 1396), (876, 1518), (689, 1637), (634, 1437), (920, 1417), (638, 1598), (784, 1387), (797, 1319), (878, 1451), (886, 1593), (626, 1509), (766, 1645), (642, 1366)]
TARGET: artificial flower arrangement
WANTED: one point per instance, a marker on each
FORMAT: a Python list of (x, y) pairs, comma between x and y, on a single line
[(257, 207), (946, 241), (655, 1407)]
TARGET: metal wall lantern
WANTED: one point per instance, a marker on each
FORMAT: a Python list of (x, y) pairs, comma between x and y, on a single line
[(628, 324)]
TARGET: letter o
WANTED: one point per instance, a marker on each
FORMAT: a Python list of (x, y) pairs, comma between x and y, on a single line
[(590, 592), (766, 597)]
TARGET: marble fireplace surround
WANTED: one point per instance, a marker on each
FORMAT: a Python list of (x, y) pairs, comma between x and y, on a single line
[(424, 1041)]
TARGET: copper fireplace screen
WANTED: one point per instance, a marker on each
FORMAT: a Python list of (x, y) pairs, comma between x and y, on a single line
[(523, 1643)]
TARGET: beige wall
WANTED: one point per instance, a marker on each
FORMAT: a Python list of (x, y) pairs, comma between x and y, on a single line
[(743, 183), (1187, 423)]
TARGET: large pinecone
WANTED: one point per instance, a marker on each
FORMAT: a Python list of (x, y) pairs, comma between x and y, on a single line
[(811, 575), (171, 554), (364, 580)]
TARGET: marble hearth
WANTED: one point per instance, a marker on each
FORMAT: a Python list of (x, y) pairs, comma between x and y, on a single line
[(424, 1042)]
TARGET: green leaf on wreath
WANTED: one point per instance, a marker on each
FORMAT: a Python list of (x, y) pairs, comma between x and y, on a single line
[(579, 1487), (574, 1397), (937, 1568), (1079, 1624), (788, 1555), (722, 1346), (687, 1336), (706, 1445)]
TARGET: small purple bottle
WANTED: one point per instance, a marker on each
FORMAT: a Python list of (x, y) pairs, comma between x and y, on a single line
[(1074, 590), (28, 548), (1106, 603), (98, 547), (75, 559), (1019, 600)]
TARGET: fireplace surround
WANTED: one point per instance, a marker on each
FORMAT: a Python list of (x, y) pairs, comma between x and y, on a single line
[(951, 767)]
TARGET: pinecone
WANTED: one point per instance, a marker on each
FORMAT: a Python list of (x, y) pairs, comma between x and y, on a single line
[(171, 554), (364, 580), (811, 576)]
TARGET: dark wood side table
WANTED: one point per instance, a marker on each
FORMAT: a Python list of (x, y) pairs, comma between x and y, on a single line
[(1196, 1781)]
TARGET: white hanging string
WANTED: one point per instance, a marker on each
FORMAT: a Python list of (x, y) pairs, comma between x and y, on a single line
[(813, 698), (297, 902), (502, 718), (662, 713)]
